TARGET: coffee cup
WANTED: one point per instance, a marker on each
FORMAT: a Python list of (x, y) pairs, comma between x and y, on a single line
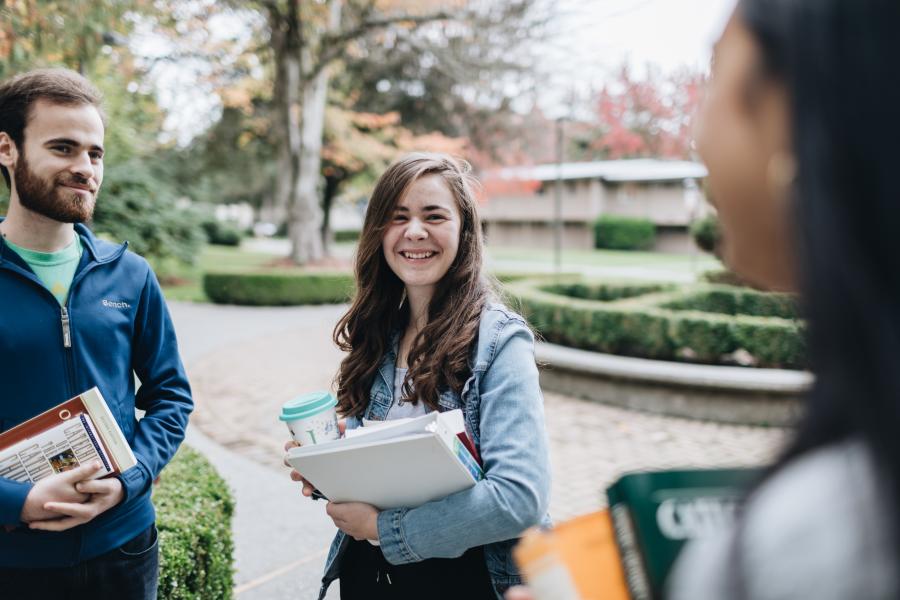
[(311, 418)]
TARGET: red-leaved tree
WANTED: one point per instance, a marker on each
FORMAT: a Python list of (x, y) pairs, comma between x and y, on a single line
[(644, 117)]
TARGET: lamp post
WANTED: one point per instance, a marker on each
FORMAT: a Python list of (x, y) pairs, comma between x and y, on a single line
[(692, 204), (557, 199)]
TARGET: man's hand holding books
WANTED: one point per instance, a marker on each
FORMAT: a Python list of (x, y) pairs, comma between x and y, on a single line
[(70, 498)]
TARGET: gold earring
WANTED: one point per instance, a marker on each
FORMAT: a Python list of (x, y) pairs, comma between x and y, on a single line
[(781, 170)]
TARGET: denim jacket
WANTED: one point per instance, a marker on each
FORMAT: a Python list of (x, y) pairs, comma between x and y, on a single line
[(504, 415)]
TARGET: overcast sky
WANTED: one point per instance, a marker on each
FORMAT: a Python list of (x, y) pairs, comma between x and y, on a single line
[(593, 38)]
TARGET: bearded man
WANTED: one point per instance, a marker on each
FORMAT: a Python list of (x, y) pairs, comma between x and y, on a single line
[(77, 312)]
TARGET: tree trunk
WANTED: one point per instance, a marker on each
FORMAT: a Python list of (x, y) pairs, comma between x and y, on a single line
[(332, 184), (306, 214), (289, 148), (286, 44)]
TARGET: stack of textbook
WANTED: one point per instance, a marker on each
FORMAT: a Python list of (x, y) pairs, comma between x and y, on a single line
[(78, 431), (627, 551), (393, 464)]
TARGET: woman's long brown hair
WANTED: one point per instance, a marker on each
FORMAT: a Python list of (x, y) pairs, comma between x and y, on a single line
[(439, 356)]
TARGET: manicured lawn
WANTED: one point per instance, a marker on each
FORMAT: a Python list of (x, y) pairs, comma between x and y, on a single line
[(184, 283), (531, 257)]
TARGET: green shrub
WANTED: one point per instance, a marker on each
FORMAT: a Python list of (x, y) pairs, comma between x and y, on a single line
[(706, 234), (346, 235), (624, 233), (221, 234), (725, 277), (775, 342), (699, 338), (277, 288), (662, 321), (605, 291), (193, 514), (738, 301), (136, 206)]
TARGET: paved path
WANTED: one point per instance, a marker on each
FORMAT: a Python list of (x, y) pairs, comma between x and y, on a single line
[(245, 362), (280, 537)]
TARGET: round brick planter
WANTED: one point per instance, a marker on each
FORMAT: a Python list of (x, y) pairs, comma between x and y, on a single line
[(705, 392)]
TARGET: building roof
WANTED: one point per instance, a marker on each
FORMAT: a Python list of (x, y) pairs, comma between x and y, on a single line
[(638, 169)]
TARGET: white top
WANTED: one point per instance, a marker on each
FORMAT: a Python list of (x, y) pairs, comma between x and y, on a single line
[(817, 529), (401, 409)]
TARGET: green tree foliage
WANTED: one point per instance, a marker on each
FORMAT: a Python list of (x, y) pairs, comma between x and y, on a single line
[(140, 208), (92, 37), (232, 162), (71, 32)]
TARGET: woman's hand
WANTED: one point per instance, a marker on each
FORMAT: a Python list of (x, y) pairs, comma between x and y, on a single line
[(308, 488), (357, 519), (519, 592)]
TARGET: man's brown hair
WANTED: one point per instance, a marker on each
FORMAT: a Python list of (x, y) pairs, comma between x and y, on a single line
[(59, 86)]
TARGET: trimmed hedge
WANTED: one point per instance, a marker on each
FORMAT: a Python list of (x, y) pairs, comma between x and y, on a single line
[(624, 233), (346, 235), (648, 325), (277, 288), (725, 277), (193, 514), (605, 292), (222, 234), (706, 233), (738, 301)]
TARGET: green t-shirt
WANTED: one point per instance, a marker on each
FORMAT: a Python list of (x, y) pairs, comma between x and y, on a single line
[(54, 269)]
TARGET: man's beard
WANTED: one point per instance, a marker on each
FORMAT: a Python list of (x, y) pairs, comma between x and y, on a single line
[(49, 198)]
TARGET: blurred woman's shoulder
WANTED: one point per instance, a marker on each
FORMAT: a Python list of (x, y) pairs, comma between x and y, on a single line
[(817, 529)]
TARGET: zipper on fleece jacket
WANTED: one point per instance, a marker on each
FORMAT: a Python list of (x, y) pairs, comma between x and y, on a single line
[(66, 329), (68, 353)]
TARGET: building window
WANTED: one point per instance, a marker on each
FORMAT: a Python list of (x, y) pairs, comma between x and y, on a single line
[(628, 192)]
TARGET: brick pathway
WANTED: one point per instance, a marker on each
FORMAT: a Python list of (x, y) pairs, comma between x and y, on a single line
[(240, 385)]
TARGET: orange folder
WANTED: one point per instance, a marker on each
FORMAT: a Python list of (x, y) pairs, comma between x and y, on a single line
[(576, 560)]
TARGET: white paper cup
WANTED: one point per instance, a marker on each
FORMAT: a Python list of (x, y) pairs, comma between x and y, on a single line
[(311, 418)]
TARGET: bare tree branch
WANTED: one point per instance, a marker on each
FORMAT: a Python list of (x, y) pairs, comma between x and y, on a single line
[(335, 46)]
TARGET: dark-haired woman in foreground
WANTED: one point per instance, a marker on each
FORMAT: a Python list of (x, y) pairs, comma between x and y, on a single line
[(799, 132), (424, 333)]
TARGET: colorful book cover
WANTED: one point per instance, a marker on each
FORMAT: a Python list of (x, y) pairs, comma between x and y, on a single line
[(79, 430), (654, 514)]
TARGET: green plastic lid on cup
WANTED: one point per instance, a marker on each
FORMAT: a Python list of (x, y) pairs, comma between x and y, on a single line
[(307, 405)]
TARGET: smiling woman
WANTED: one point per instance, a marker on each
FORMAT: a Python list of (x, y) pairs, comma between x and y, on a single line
[(422, 239), (424, 333)]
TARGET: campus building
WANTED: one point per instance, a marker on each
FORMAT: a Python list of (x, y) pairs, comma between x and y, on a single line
[(519, 207)]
